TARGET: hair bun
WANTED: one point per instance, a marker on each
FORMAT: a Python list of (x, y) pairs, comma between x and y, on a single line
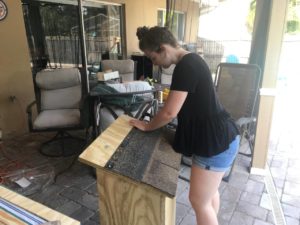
[(141, 32)]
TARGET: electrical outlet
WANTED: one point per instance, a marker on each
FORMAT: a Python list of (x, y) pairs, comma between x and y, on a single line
[(12, 98)]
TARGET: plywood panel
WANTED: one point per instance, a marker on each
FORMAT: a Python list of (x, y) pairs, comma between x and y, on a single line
[(123, 201)]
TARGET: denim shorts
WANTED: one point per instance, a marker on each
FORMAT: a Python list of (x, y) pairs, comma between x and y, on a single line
[(221, 162)]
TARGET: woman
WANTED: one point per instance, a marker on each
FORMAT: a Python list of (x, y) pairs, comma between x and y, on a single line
[(205, 131)]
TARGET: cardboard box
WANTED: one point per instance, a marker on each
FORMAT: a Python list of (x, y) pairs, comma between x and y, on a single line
[(104, 76)]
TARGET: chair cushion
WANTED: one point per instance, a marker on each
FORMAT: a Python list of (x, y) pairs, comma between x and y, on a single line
[(126, 77), (121, 101), (131, 86), (61, 118), (131, 100), (123, 66), (105, 116), (64, 98), (58, 78)]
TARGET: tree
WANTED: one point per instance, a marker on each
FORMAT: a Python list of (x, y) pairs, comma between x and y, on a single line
[(292, 19), (293, 15)]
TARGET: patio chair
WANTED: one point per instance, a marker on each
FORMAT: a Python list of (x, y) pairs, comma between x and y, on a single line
[(237, 87), (136, 99), (60, 107)]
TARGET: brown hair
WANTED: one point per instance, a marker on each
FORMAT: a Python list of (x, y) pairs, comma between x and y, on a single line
[(152, 38)]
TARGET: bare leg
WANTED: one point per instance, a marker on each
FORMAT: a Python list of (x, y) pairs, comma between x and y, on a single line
[(204, 195), (216, 202)]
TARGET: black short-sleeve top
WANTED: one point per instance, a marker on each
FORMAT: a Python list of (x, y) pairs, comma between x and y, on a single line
[(204, 127)]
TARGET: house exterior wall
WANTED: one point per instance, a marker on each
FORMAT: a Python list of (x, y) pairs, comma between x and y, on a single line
[(15, 71), (144, 13)]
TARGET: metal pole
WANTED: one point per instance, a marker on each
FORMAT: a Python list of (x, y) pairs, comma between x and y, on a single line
[(83, 45)]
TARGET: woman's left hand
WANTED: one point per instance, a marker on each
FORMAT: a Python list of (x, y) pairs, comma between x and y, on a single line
[(141, 125)]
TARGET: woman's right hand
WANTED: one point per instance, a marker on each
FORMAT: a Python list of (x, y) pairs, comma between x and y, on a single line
[(141, 125)]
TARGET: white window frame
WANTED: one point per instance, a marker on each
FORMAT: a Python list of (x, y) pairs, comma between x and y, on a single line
[(164, 20)]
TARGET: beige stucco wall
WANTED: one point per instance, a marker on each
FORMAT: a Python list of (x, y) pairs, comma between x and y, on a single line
[(15, 72)]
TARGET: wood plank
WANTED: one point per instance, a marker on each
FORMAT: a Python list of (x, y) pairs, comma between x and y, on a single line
[(170, 211), (100, 151), (35, 207)]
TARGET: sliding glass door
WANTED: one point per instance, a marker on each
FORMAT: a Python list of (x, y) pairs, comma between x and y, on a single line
[(53, 32), (52, 42), (103, 31)]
